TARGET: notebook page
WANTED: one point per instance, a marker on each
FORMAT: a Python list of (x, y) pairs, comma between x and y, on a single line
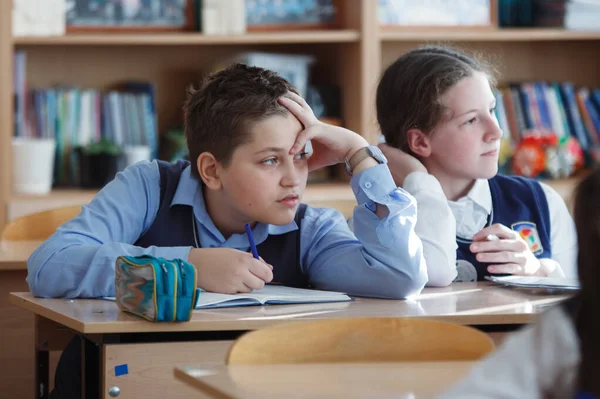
[(271, 293), (282, 293), (213, 298), (538, 282)]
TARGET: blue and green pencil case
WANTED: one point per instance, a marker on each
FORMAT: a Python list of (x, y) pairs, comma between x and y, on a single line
[(156, 289)]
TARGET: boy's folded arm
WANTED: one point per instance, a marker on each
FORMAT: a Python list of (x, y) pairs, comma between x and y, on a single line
[(78, 260), (383, 258), (436, 227)]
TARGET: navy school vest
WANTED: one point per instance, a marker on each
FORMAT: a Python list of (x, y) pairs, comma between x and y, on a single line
[(520, 204), (173, 226)]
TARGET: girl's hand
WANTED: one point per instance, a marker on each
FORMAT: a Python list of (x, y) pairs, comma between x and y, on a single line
[(400, 163), (508, 254)]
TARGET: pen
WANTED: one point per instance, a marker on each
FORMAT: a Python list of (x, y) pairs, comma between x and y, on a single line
[(492, 237), (251, 239)]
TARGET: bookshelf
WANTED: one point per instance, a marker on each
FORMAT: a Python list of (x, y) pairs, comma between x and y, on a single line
[(193, 38), (352, 57), (488, 35)]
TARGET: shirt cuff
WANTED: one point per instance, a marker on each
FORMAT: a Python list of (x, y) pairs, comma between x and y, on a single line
[(373, 184), (421, 181)]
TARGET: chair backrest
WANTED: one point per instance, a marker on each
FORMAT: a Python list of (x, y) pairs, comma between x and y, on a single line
[(370, 339), (38, 226)]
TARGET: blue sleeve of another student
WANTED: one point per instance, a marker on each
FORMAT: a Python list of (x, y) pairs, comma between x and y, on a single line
[(383, 257), (79, 259)]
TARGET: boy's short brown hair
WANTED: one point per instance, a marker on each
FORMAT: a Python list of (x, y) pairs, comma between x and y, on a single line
[(219, 115)]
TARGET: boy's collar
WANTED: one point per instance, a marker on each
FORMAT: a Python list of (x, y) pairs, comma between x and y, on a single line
[(189, 192)]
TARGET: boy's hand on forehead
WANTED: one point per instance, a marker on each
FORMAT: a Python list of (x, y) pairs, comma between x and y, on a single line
[(330, 144), (507, 252), (229, 271), (401, 164)]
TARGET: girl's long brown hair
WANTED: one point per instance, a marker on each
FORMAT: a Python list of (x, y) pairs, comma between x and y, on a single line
[(587, 222)]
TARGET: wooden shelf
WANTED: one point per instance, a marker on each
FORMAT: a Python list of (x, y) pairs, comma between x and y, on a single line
[(336, 195), (20, 204), (318, 194), (484, 35), (182, 39)]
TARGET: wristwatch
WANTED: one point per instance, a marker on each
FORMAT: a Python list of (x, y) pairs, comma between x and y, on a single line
[(371, 151)]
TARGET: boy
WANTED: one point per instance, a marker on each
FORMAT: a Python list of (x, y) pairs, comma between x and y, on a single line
[(249, 166), (249, 148)]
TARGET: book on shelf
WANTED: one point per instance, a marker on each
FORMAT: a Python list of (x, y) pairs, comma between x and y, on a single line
[(75, 117), (550, 108)]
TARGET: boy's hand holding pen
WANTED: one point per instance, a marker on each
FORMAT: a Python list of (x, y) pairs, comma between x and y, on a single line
[(230, 271)]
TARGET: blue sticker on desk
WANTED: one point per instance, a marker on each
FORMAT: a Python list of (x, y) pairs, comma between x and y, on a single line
[(121, 369)]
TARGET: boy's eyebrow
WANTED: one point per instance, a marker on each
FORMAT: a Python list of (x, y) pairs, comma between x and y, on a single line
[(271, 149)]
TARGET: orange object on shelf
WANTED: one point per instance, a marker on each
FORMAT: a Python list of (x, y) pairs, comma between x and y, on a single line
[(529, 158)]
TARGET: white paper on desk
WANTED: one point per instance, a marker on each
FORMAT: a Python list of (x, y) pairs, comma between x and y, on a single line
[(537, 282), (269, 295)]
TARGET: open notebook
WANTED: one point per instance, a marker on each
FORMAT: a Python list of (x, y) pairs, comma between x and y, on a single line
[(553, 283), (269, 295)]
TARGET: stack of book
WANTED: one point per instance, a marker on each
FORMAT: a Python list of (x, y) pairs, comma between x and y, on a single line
[(550, 108), (76, 117)]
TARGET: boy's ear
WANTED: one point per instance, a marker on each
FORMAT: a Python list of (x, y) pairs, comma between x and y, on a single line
[(208, 168), (418, 142)]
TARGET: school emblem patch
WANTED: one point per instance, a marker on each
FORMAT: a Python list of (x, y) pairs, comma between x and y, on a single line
[(528, 232)]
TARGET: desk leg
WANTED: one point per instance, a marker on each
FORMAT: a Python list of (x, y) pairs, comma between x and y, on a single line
[(90, 374), (42, 364), (49, 336)]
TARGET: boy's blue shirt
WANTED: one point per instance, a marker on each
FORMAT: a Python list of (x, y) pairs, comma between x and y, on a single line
[(382, 258)]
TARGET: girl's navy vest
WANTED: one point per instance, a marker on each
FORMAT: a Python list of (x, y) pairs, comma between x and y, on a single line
[(173, 227), (520, 204)]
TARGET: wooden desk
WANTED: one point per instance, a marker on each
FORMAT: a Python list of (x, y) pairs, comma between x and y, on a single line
[(349, 380), (114, 338), (16, 325)]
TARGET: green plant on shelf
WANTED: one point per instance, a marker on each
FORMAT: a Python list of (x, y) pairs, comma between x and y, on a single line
[(103, 146)]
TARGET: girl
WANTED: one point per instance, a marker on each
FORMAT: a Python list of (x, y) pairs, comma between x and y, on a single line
[(557, 357), (435, 107)]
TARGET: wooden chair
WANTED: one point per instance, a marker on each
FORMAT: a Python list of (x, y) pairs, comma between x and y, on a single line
[(369, 339), (38, 226)]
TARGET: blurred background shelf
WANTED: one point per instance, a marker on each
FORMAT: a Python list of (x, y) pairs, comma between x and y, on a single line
[(350, 56), (486, 35), (191, 39), (334, 195)]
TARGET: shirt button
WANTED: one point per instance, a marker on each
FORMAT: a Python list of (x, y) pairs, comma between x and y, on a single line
[(368, 184)]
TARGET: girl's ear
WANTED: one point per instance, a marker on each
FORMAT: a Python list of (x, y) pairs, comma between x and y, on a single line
[(418, 142), (209, 170)]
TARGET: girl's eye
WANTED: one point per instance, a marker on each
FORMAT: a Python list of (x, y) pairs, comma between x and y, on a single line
[(492, 110), (471, 121), (270, 161), (302, 155)]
